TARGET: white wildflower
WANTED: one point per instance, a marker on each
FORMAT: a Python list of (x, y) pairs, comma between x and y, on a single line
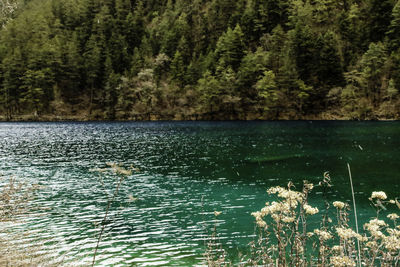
[(256, 214), (324, 235), (393, 216), (392, 243), (371, 244), (261, 223), (310, 210), (379, 195), (394, 232), (288, 219), (340, 261), (308, 186), (347, 233), (339, 204), (276, 189)]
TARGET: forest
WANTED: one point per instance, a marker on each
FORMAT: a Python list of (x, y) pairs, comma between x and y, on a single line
[(200, 59)]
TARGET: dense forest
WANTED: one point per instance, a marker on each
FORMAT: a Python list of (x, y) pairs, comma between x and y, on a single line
[(200, 59)]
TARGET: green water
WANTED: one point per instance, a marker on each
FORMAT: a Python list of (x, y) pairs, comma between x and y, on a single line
[(187, 170)]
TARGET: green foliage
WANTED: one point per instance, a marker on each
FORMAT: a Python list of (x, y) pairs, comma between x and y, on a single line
[(393, 33), (209, 94), (178, 68), (267, 89), (230, 48), (372, 69), (378, 16), (218, 58)]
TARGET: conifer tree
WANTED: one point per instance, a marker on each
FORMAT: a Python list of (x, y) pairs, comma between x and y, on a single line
[(393, 34)]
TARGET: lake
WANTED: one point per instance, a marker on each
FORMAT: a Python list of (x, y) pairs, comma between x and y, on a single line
[(187, 170)]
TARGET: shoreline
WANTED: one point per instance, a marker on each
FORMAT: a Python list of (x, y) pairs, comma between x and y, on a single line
[(71, 118)]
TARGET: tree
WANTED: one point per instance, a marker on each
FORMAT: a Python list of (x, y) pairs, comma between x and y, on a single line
[(251, 68), (69, 78), (227, 92), (393, 33), (353, 34), (275, 44), (267, 90), (36, 86), (372, 69), (261, 17), (392, 91), (111, 95), (93, 66), (208, 89), (178, 69), (294, 93), (230, 47), (88, 53), (328, 70), (378, 16), (303, 49), (395, 68)]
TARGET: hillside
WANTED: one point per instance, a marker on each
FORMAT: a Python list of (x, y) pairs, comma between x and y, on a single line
[(201, 59)]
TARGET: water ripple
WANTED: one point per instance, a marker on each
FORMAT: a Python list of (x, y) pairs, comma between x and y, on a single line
[(187, 171)]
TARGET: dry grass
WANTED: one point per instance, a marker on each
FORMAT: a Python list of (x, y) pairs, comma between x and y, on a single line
[(14, 198), (19, 247), (16, 249), (122, 174)]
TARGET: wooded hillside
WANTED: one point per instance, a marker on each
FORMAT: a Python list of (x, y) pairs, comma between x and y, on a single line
[(200, 59)]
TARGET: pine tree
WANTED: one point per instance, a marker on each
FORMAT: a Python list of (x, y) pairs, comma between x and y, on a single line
[(178, 69), (372, 68), (393, 34), (230, 47), (267, 90), (378, 17)]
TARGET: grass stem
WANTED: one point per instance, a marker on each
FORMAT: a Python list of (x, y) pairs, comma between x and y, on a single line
[(110, 201), (355, 214)]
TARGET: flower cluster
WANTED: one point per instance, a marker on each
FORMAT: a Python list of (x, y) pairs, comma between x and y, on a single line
[(310, 210), (339, 204), (323, 235), (374, 227), (336, 244), (341, 261), (379, 195), (393, 216), (347, 233)]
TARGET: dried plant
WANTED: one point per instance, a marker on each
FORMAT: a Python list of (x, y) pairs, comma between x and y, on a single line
[(14, 198), (121, 173), (15, 247), (215, 254)]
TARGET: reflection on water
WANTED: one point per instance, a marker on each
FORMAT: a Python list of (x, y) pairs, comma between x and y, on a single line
[(187, 171)]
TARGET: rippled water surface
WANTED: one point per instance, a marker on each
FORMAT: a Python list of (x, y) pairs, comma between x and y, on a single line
[(187, 171)]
